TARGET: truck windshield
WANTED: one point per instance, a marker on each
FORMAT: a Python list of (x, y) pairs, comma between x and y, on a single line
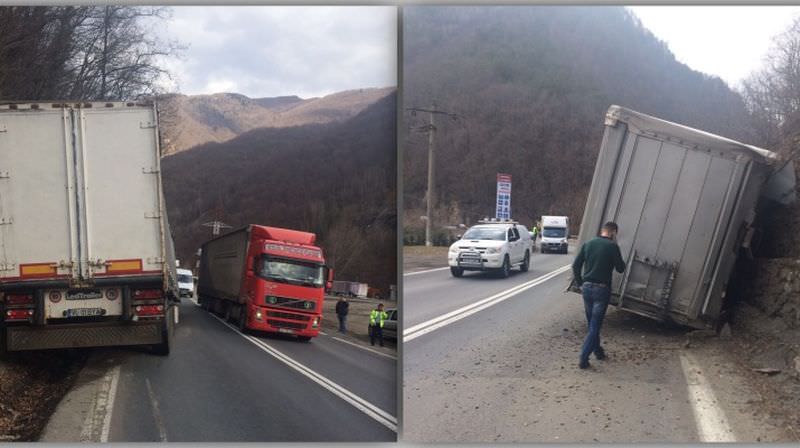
[(183, 278), (554, 232), (295, 272), (486, 233)]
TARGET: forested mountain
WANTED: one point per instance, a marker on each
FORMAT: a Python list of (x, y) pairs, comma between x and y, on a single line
[(531, 86), (336, 179), (191, 120)]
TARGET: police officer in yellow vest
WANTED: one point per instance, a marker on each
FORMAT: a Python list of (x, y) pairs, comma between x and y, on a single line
[(376, 318)]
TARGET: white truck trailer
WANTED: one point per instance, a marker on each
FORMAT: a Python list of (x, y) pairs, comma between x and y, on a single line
[(86, 254), (685, 202)]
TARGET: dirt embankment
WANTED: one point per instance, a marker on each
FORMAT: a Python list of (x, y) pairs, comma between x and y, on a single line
[(418, 258), (31, 386)]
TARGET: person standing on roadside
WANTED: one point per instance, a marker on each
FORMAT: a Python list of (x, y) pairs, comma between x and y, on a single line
[(592, 268), (342, 308), (376, 318)]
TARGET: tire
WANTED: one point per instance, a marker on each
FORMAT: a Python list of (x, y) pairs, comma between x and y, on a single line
[(542, 250), (456, 271), (241, 321), (229, 312), (3, 339), (526, 263), (163, 348), (303, 338), (505, 271)]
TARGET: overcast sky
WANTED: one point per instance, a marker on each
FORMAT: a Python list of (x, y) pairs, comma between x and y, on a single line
[(264, 51), (727, 41)]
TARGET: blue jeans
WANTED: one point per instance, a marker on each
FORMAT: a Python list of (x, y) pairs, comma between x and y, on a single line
[(342, 323), (595, 301)]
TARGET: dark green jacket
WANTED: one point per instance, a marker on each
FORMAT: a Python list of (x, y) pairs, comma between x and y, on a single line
[(596, 260)]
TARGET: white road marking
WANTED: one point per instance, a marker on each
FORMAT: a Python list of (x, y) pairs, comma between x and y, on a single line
[(162, 431), (364, 348), (98, 419), (712, 426), (354, 400), (426, 327), (425, 271)]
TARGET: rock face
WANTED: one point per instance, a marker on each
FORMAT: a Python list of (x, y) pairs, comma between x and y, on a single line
[(191, 120), (775, 289)]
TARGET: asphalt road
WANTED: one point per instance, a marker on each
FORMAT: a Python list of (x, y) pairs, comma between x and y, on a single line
[(217, 385), (481, 365)]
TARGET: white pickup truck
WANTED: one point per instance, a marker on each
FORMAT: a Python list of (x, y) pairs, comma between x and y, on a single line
[(491, 246)]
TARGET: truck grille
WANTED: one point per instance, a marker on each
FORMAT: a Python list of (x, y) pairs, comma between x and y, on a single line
[(291, 316), (284, 324), (287, 302)]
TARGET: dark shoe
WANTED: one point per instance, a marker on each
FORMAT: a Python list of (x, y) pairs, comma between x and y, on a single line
[(584, 365), (600, 354)]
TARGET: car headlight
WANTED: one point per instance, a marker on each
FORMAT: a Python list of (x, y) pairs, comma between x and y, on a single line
[(493, 250), (453, 249)]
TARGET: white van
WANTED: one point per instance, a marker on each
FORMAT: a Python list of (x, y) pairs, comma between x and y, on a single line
[(185, 282), (555, 231)]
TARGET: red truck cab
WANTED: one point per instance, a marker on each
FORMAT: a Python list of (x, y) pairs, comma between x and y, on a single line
[(282, 284)]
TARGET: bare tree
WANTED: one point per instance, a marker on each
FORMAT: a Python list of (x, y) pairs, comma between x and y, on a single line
[(81, 53)]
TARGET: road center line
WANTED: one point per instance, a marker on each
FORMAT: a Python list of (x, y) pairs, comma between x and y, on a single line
[(426, 327), (712, 426), (364, 348), (425, 271), (354, 400)]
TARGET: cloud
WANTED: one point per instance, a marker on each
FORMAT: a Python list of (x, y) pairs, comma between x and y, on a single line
[(275, 50)]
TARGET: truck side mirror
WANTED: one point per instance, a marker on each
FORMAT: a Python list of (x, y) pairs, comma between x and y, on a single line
[(329, 277), (458, 236)]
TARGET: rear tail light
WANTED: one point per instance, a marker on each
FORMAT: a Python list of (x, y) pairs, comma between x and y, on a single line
[(147, 294), (19, 299), (18, 315), (149, 310)]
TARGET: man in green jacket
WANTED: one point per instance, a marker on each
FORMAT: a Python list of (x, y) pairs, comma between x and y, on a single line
[(376, 318), (592, 269)]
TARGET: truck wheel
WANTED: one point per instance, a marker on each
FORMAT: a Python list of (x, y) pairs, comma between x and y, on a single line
[(526, 263), (162, 349), (505, 271), (229, 312), (304, 338), (457, 272), (3, 340), (241, 321)]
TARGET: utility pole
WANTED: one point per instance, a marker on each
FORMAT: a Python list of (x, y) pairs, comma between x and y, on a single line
[(216, 226), (431, 130)]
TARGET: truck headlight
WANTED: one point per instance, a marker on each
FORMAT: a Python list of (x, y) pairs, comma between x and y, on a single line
[(493, 250), (453, 249)]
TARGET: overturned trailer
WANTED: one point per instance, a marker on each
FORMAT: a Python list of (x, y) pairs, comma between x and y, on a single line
[(685, 201)]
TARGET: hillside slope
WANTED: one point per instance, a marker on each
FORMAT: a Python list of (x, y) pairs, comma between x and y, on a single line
[(192, 120), (335, 179), (532, 85)]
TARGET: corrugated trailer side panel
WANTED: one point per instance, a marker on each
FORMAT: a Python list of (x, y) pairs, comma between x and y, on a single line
[(222, 265), (35, 189), (678, 204), (123, 205)]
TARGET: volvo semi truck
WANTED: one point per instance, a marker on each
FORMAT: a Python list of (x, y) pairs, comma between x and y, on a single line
[(87, 257), (265, 279)]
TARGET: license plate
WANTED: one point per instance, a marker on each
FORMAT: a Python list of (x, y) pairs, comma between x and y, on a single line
[(285, 330), (84, 312)]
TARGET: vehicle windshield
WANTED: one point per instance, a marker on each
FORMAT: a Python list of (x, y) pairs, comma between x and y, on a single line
[(184, 278), (486, 233), (554, 232), (294, 272)]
